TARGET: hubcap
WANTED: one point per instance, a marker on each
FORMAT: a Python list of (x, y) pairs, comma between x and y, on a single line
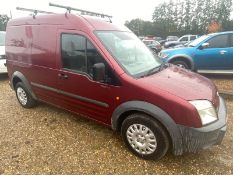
[(181, 65), (22, 96), (141, 139)]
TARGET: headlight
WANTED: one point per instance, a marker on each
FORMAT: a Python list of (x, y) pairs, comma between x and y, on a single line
[(206, 111), (163, 55)]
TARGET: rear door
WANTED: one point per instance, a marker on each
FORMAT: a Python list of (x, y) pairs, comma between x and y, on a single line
[(216, 56), (78, 91)]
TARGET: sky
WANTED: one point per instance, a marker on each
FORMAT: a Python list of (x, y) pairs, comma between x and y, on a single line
[(121, 10)]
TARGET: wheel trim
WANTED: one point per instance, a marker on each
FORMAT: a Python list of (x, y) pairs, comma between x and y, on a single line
[(22, 96), (141, 139), (181, 65)]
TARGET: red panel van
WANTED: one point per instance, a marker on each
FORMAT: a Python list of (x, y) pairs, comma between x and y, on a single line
[(104, 72)]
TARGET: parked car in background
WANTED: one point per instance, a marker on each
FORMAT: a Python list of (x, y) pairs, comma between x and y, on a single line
[(104, 72), (181, 42), (187, 38), (155, 46), (211, 53), (3, 68), (172, 38)]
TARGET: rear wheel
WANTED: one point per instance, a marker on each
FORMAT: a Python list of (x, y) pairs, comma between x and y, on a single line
[(181, 64), (144, 136), (23, 95)]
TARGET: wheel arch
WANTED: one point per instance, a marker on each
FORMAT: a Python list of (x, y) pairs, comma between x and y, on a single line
[(187, 59), (19, 77), (153, 111)]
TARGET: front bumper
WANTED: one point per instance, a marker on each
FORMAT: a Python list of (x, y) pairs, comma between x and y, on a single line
[(195, 139)]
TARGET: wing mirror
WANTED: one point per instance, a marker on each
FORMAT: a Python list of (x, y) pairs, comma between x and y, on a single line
[(99, 72), (205, 45)]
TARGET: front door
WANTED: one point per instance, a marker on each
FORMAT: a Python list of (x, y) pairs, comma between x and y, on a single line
[(79, 92), (215, 56)]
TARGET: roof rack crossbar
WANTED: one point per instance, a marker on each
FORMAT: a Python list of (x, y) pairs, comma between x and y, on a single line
[(83, 12), (34, 11)]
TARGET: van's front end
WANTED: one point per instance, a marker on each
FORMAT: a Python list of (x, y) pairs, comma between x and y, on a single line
[(3, 68), (186, 104)]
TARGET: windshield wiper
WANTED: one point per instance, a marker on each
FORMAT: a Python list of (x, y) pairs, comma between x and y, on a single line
[(164, 65), (152, 71)]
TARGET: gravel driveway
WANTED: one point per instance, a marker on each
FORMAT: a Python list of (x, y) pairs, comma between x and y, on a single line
[(47, 140)]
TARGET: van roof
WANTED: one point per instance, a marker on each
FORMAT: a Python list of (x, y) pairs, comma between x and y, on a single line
[(69, 21)]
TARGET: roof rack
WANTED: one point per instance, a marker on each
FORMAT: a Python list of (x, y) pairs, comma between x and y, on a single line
[(34, 11), (83, 12)]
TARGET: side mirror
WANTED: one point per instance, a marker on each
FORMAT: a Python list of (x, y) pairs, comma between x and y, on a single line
[(205, 45), (99, 72)]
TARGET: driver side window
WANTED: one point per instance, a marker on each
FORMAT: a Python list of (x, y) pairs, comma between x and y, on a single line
[(220, 41), (184, 39), (78, 54)]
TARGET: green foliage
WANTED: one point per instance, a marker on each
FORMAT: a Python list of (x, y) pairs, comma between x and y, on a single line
[(184, 17), (3, 22)]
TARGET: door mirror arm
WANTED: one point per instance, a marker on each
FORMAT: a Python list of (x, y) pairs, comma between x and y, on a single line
[(204, 46)]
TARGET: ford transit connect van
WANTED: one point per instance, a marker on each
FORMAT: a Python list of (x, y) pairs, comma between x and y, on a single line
[(103, 71)]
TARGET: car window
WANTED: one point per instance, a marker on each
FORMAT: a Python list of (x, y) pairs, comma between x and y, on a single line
[(74, 52), (219, 41), (192, 38), (2, 39), (231, 40), (184, 38), (80, 55)]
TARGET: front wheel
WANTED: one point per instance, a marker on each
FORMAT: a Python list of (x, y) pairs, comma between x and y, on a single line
[(181, 64), (144, 136)]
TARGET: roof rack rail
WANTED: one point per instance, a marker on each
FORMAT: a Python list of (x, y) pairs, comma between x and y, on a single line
[(34, 11), (83, 12)]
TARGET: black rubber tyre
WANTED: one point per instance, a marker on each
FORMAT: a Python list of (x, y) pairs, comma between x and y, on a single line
[(160, 134), (181, 64), (27, 101)]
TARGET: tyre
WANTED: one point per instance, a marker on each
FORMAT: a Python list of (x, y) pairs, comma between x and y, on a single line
[(144, 136), (23, 95), (154, 51), (181, 64)]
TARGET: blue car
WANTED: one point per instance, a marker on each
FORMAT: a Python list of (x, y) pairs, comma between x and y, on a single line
[(211, 53)]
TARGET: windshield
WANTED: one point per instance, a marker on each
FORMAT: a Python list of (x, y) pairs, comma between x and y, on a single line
[(129, 51), (198, 40), (2, 38)]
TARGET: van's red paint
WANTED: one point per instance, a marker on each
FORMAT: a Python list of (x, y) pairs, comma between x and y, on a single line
[(33, 48)]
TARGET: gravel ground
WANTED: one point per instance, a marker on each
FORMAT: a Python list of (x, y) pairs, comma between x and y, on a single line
[(223, 82), (47, 140)]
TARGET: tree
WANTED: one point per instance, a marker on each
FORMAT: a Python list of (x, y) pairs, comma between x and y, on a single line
[(179, 17), (3, 22)]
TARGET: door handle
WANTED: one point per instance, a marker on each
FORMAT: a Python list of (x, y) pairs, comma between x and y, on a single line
[(222, 52), (62, 76)]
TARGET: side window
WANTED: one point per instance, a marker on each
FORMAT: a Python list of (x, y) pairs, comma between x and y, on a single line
[(231, 40), (79, 54), (192, 38), (219, 41), (74, 52), (184, 38), (93, 57)]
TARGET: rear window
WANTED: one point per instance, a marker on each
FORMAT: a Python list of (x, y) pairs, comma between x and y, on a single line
[(2, 38)]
